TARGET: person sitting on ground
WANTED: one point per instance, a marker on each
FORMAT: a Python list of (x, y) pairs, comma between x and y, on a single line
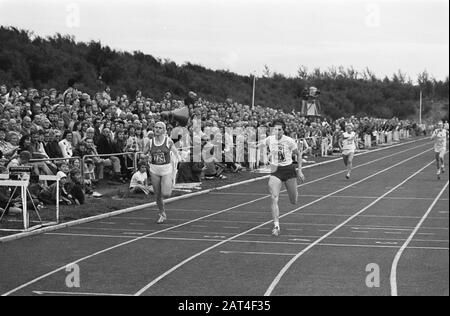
[(75, 186), (139, 181), (48, 194)]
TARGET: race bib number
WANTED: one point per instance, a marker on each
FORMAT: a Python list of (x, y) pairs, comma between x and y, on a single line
[(159, 158), (281, 154)]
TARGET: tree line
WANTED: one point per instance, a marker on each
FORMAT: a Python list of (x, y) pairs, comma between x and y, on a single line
[(50, 62)]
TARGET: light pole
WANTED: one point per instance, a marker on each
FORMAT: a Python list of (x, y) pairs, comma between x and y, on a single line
[(420, 108), (254, 88)]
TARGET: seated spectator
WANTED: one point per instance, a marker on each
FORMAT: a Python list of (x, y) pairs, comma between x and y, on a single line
[(6, 147), (51, 144), (75, 186), (66, 144), (22, 160), (139, 181), (105, 146), (76, 133)]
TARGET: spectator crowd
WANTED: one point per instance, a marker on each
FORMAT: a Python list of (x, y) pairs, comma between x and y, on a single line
[(86, 139)]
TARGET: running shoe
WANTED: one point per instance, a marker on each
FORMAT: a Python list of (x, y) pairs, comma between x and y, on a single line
[(276, 231), (347, 176), (162, 218), (442, 169), (438, 174)]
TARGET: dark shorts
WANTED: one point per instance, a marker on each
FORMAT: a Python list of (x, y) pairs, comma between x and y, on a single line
[(285, 173)]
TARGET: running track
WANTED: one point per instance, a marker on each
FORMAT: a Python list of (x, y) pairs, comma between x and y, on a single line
[(393, 213)]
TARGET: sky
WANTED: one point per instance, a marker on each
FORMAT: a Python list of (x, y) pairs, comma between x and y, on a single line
[(243, 36)]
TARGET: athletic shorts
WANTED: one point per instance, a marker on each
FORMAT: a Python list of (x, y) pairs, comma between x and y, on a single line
[(285, 173), (161, 170), (441, 152), (348, 153)]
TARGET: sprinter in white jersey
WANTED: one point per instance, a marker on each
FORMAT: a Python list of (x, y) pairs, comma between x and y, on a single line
[(281, 149), (348, 147), (440, 136)]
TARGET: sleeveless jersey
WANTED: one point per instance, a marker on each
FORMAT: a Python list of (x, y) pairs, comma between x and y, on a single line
[(160, 154)]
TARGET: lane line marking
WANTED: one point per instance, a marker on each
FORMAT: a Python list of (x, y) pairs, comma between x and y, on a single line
[(24, 285), (336, 196), (393, 277), (78, 293), (160, 277), (241, 240), (291, 262), (257, 253)]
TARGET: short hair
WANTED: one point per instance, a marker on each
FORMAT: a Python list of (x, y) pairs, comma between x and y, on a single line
[(25, 155), (279, 122), (66, 132)]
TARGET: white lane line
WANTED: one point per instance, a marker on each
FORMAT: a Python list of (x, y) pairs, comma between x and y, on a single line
[(213, 214), (160, 277), (255, 235), (300, 241), (257, 253), (291, 262), (360, 231), (299, 214), (231, 227), (382, 228), (338, 196), (133, 233), (393, 277), (370, 227), (77, 293), (386, 243)]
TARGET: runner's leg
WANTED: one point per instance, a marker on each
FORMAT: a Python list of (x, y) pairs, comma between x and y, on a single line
[(156, 182), (291, 187), (274, 189)]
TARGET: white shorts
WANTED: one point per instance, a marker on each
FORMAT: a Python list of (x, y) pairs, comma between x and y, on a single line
[(441, 152), (161, 170), (348, 153)]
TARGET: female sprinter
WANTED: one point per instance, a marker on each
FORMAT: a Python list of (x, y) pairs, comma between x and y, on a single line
[(161, 167)]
